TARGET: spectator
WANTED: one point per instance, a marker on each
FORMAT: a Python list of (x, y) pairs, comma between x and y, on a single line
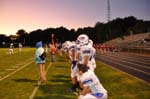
[(53, 50), (40, 61)]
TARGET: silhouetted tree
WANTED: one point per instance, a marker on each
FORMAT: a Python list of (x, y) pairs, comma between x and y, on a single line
[(21, 36), (99, 33)]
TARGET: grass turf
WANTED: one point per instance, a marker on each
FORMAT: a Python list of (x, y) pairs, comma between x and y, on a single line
[(21, 84)]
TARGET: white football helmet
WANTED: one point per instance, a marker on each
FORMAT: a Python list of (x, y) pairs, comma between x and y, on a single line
[(83, 39), (91, 42), (66, 45), (77, 42)]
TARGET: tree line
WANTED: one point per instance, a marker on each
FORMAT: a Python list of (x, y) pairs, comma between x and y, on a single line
[(100, 33)]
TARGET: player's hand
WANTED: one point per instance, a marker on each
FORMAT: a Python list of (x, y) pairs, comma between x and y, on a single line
[(52, 35), (74, 62)]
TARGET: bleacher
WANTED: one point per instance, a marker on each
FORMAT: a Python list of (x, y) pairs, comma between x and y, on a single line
[(127, 39), (138, 42)]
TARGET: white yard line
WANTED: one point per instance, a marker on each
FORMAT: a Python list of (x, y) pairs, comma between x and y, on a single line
[(10, 69), (14, 66), (15, 71), (19, 63), (11, 54), (37, 87)]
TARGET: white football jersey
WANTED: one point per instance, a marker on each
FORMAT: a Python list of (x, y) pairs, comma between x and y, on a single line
[(87, 50), (71, 47), (84, 51), (92, 63), (89, 79)]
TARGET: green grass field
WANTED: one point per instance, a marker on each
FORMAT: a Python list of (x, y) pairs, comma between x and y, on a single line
[(18, 79)]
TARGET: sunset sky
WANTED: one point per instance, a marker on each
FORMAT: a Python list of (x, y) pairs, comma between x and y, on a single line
[(41, 14)]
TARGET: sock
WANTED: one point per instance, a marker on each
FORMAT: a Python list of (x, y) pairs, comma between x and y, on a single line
[(78, 86), (73, 87)]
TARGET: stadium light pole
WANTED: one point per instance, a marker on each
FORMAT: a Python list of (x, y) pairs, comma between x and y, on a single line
[(109, 19)]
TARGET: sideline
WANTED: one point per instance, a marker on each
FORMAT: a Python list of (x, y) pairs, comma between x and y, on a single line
[(37, 87), (15, 71)]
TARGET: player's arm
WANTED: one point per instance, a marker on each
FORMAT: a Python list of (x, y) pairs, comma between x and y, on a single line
[(77, 56), (86, 56), (74, 58), (53, 39), (86, 59), (85, 90), (73, 54)]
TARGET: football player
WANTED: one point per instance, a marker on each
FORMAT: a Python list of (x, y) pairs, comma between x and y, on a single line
[(92, 88)]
